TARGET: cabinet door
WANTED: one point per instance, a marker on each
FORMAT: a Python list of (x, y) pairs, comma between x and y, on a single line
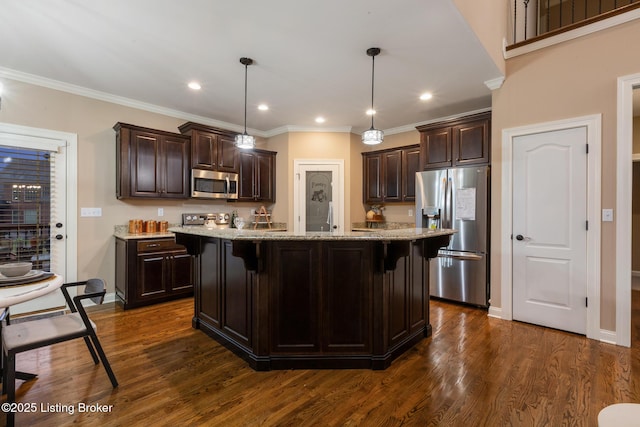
[(346, 297), (256, 180), (410, 165), (246, 177), (145, 170), (151, 276), (203, 154), (295, 297), (372, 180), (227, 154), (181, 277), (436, 148), (175, 167), (392, 176), (471, 143), (265, 177)]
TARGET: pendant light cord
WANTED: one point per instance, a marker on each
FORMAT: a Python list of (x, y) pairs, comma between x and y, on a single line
[(373, 67), (245, 97)]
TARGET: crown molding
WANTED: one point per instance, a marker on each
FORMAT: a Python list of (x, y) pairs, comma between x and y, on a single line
[(494, 84)]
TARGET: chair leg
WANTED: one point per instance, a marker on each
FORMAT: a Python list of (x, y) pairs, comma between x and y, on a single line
[(91, 350), (10, 385), (103, 358)]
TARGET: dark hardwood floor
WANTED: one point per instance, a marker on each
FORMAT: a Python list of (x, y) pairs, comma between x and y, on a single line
[(473, 371)]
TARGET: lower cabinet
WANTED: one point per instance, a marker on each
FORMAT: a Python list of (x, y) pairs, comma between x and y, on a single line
[(151, 270)]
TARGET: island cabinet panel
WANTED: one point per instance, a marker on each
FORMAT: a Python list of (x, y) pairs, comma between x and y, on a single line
[(236, 293), (207, 295), (295, 297), (347, 298)]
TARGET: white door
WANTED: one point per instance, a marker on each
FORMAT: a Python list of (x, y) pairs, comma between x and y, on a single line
[(549, 235), (33, 219), (319, 196)]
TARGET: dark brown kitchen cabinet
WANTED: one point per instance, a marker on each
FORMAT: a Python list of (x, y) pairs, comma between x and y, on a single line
[(211, 148), (151, 163), (460, 142), (389, 175), (257, 176), (152, 270)]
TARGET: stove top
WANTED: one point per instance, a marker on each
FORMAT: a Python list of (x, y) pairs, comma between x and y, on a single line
[(220, 219)]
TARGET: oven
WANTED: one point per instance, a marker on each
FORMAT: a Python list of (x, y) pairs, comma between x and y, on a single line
[(206, 184)]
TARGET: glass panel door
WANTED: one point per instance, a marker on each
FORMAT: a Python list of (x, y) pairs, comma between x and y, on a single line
[(318, 204)]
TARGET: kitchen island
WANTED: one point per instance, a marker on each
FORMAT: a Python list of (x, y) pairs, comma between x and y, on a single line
[(282, 300)]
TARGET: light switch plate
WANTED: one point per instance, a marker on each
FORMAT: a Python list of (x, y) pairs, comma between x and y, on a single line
[(607, 215), (90, 211)]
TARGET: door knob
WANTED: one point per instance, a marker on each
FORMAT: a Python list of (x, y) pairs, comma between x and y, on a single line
[(519, 237)]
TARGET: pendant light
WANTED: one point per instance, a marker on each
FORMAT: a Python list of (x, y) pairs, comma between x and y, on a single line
[(372, 136), (245, 140)]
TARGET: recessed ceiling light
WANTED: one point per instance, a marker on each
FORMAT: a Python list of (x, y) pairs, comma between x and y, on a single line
[(320, 119), (426, 96), (371, 112), (194, 85), (263, 107)]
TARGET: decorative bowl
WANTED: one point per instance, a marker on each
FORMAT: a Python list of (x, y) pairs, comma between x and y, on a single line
[(15, 269)]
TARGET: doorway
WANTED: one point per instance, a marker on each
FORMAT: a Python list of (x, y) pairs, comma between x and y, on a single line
[(38, 215), (319, 196), (592, 131)]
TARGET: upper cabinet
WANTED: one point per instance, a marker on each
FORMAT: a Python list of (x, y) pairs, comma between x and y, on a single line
[(211, 148), (257, 172), (460, 142), (151, 163), (389, 175)]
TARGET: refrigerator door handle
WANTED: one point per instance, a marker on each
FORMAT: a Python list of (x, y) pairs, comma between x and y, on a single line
[(459, 255), (448, 201)]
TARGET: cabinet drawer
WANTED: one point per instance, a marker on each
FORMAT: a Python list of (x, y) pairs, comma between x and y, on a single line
[(157, 245)]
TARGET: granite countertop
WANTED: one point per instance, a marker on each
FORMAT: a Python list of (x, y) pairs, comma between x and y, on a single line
[(265, 234), (364, 226)]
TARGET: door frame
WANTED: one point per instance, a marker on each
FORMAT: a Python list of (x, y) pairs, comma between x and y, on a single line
[(52, 138), (624, 186), (297, 163), (594, 139)]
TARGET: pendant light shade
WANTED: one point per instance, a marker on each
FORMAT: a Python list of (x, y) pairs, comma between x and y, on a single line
[(245, 140), (372, 136)]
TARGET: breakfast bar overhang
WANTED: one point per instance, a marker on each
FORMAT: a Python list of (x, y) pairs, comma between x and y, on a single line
[(282, 300)]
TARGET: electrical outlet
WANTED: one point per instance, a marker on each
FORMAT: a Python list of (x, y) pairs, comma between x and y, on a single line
[(607, 215), (160, 212), (410, 212), (90, 211)]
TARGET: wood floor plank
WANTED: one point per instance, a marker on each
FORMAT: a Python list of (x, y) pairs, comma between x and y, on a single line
[(473, 371)]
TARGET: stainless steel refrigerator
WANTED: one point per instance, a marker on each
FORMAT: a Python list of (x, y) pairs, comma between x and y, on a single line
[(457, 198)]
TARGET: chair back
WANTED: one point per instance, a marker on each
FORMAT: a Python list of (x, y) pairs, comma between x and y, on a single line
[(94, 286)]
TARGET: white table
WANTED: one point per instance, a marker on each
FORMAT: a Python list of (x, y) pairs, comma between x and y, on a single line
[(15, 294)]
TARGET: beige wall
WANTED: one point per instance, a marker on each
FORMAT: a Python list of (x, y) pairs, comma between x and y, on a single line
[(488, 19), (571, 79), (92, 120)]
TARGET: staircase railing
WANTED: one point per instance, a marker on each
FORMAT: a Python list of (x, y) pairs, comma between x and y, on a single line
[(537, 19)]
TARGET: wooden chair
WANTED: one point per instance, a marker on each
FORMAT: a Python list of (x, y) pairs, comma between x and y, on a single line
[(24, 336)]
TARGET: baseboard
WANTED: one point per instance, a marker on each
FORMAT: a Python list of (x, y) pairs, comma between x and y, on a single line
[(608, 337), (495, 312), (110, 297)]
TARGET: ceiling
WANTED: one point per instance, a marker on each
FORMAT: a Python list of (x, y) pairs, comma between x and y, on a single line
[(310, 58)]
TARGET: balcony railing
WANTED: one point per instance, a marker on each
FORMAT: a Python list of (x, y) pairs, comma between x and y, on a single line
[(537, 19)]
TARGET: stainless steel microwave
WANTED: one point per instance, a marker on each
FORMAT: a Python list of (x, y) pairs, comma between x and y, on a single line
[(206, 184)]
